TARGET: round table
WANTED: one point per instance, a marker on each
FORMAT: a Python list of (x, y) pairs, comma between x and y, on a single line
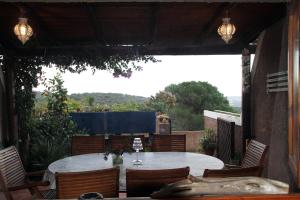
[(151, 160)]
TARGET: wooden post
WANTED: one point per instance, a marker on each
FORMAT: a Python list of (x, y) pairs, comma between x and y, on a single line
[(246, 97), (11, 101), (294, 95), (3, 111)]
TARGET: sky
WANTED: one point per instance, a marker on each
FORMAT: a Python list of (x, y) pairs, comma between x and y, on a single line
[(223, 71)]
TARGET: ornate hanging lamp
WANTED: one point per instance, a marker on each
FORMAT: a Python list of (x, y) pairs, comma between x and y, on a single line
[(23, 30), (226, 30)]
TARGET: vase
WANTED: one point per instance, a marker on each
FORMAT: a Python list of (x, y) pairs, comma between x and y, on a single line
[(117, 159)]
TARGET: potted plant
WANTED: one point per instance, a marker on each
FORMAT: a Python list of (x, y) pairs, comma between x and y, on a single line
[(208, 142)]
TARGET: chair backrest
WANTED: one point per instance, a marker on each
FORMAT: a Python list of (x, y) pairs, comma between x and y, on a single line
[(169, 143), (143, 182), (70, 185), (222, 173), (124, 142), (255, 154), (12, 171), (87, 144)]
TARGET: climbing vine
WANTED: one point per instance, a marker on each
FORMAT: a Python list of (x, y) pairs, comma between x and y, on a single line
[(28, 73)]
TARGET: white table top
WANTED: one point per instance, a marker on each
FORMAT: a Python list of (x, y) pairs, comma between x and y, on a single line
[(151, 160)]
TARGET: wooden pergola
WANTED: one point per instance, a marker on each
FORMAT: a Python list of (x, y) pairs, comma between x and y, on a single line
[(166, 28), (92, 27)]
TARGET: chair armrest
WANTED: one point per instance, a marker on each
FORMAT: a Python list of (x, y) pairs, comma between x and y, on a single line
[(228, 166), (35, 173), (29, 185)]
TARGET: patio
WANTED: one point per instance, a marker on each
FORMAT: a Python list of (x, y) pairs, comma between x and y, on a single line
[(76, 33)]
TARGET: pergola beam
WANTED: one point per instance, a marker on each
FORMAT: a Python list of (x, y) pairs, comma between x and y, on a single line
[(97, 26), (153, 23), (102, 1), (124, 50)]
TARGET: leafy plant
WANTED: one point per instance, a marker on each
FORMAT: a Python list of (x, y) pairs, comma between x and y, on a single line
[(50, 133), (208, 141), (28, 72)]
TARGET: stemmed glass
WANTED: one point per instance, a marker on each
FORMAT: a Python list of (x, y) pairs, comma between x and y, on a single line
[(137, 146)]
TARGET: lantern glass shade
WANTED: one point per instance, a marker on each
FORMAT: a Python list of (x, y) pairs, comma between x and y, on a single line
[(22, 30), (226, 30)]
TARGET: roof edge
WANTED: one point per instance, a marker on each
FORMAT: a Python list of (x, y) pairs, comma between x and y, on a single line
[(144, 1)]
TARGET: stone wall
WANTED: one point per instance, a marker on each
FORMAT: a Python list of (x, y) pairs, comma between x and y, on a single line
[(269, 111), (192, 139)]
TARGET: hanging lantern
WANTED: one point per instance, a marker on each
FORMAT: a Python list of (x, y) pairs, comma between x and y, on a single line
[(22, 30), (226, 30)]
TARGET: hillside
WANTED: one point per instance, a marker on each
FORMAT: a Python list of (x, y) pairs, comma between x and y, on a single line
[(108, 98), (235, 101)]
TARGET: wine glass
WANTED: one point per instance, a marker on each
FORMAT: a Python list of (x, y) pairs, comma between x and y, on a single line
[(137, 146)]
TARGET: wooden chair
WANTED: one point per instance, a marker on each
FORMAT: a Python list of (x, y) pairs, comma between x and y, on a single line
[(87, 144), (124, 142), (222, 173), (13, 176), (70, 185), (255, 154), (162, 143), (141, 183)]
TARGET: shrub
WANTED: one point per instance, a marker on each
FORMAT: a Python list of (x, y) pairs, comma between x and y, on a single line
[(208, 141), (51, 132)]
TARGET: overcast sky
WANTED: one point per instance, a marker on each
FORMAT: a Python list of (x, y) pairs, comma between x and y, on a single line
[(224, 72)]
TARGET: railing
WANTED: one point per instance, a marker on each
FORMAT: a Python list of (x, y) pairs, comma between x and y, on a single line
[(225, 140)]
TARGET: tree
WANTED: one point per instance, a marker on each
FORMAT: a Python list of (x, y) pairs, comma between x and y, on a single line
[(192, 98), (163, 101), (51, 132)]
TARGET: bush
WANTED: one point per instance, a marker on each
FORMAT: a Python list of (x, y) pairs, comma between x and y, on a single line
[(208, 141), (51, 132)]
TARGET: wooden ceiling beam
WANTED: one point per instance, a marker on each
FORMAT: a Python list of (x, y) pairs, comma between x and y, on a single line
[(97, 26), (143, 50), (153, 23)]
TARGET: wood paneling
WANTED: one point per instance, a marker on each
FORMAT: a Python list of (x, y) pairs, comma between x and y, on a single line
[(162, 143)]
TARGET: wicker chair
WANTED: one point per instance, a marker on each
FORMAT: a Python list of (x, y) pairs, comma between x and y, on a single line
[(169, 143), (88, 144), (223, 173), (143, 182), (13, 176), (70, 185)]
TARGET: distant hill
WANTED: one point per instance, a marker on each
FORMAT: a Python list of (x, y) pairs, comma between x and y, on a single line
[(109, 98), (99, 98), (235, 101)]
